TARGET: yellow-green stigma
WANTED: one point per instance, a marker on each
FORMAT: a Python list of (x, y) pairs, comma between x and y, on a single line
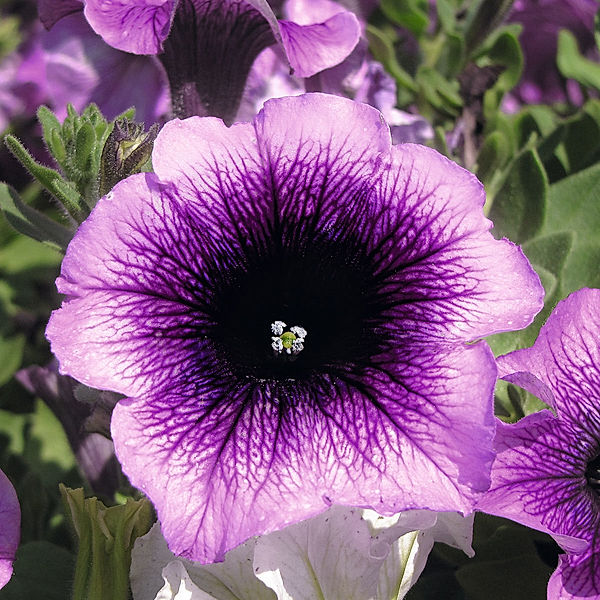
[(290, 342)]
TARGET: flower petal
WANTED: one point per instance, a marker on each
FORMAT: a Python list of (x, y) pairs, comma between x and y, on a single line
[(565, 361), (51, 11), (458, 282), (328, 556), (136, 26), (312, 48), (391, 453), (233, 578), (80, 68), (577, 577), (10, 522), (537, 479)]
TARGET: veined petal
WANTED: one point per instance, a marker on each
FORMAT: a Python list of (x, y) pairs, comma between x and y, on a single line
[(136, 26), (538, 479), (10, 522), (452, 266), (180, 449), (566, 360), (577, 577)]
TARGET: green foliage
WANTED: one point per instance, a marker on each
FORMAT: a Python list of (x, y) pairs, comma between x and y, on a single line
[(42, 570)]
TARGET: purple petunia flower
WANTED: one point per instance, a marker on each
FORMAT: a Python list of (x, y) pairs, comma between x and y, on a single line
[(10, 523), (208, 46), (286, 304), (547, 473)]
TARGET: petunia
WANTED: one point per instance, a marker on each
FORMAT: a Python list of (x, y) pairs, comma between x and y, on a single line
[(373, 266), (342, 554), (10, 523), (547, 473), (208, 46)]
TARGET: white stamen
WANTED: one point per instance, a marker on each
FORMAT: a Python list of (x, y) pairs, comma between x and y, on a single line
[(277, 327), (290, 341)]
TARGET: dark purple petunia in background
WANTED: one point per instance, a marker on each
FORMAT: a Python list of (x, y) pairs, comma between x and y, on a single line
[(286, 304), (208, 46), (547, 472)]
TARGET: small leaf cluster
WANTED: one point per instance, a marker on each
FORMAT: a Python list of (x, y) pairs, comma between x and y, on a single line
[(92, 155)]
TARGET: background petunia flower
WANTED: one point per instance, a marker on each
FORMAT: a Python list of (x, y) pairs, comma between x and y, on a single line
[(207, 47), (310, 217), (547, 472), (342, 554), (10, 523), (542, 20)]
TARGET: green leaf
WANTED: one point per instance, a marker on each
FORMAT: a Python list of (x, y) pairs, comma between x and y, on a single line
[(30, 222), (85, 145), (411, 14), (483, 19), (382, 49), (518, 208), (71, 199), (11, 355), (574, 208), (539, 120), (439, 92), (573, 65), (41, 570), (45, 175), (493, 156), (503, 49)]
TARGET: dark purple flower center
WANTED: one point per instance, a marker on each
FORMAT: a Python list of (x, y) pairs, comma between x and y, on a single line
[(327, 285), (592, 474)]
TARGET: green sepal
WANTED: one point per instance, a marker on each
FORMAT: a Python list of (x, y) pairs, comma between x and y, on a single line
[(106, 537), (32, 223)]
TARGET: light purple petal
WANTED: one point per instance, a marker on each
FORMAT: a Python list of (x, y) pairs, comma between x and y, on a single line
[(52, 11), (10, 524), (136, 26), (459, 283), (577, 577), (312, 48), (538, 479), (564, 363)]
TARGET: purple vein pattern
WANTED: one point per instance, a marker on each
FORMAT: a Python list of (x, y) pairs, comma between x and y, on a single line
[(307, 215), (547, 473)]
